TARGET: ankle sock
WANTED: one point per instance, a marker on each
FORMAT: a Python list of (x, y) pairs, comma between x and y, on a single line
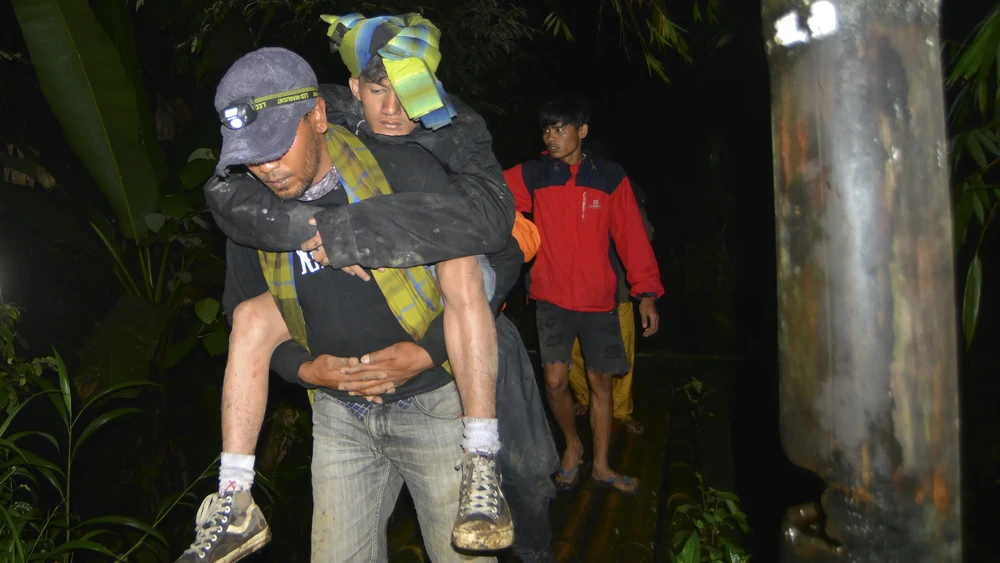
[(480, 435), (235, 472)]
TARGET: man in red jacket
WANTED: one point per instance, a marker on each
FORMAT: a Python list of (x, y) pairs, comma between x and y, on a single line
[(582, 204)]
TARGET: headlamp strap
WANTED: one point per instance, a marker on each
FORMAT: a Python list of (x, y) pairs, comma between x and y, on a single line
[(282, 98)]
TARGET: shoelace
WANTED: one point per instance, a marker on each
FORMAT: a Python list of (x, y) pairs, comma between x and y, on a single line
[(482, 495), (213, 515)]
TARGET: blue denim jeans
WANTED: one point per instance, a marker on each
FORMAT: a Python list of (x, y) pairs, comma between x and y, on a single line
[(359, 467), (489, 275)]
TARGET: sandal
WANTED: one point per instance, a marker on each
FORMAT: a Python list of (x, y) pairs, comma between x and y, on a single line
[(569, 480), (633, 426), (624, 484)]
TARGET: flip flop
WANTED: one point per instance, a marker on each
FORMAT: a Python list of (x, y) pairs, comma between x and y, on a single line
[(570, 479), (625, 485)]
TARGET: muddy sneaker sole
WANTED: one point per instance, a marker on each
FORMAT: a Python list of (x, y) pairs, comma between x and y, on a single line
[(254, 544), (484, 540)]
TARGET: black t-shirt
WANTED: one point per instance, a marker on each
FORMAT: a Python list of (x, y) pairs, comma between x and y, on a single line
[(345, 316)]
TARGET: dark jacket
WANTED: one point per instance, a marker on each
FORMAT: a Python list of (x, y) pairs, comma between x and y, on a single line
[(401, 231)]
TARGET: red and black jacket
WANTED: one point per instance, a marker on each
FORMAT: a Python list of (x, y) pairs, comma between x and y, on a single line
[(581, 210)]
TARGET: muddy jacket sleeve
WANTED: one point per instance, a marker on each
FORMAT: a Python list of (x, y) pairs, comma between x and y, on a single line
[(410, 229), (251, 215)]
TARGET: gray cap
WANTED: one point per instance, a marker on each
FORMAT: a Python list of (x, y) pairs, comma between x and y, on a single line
[(257, 74)]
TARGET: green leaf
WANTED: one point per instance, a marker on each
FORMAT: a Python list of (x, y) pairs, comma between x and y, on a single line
[(76, 545), (963, 214), (196, 172), (206, 309), (52, 393), (100, 421), (175, 206), (155, 221), (217, 342), (692, 550), (110, 391), (88, 90), (126, 521), (978, 209), (983, 96), (64, 384), (16, 542), (976, 150), (29, 458), (985, 141), (178, 352), (203, 154), (557, 26), (970, 302), (116, 20), (37, 433), (122, 346), (732, 555)]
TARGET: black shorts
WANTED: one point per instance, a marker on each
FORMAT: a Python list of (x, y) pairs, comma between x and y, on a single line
[(600, 338)]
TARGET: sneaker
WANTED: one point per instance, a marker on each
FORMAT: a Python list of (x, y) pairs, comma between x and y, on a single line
[(228, 527), (483, 522)]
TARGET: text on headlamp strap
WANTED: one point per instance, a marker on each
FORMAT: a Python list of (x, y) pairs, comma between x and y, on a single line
[(282, 98)]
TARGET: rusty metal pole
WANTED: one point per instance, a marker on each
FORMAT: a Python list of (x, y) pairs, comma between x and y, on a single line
[(867, 317)]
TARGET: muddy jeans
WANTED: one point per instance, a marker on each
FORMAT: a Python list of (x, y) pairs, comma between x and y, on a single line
[(359, 467)]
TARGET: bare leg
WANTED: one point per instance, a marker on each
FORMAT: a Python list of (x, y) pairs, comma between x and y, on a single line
[(561, 403), (470, 336), (258, 329), (483, 522), (600, 421)]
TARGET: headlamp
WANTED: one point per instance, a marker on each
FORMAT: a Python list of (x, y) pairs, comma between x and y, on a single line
[(243, 111)]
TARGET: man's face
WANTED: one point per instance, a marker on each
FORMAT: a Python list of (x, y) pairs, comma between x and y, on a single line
[(299, 168), (383, 112), (562, 140)]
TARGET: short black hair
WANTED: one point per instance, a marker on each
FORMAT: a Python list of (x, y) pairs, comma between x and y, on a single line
[(374, 71), (568, 110)]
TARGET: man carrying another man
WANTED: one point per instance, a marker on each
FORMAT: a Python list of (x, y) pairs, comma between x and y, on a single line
[(326, 323)]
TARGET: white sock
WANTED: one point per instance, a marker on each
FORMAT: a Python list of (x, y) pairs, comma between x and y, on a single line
[(480, 435), (235, 472)]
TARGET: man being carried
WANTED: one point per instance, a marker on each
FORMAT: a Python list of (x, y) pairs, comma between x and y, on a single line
[(581, 204)]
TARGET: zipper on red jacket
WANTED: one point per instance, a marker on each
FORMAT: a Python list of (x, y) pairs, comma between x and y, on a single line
[(583, 208)]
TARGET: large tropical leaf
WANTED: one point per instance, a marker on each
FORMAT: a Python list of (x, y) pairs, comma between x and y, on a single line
[(115, 17), (90, 94), (121, 347)]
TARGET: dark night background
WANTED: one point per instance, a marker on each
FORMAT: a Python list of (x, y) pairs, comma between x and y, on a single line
[(700, 148)]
